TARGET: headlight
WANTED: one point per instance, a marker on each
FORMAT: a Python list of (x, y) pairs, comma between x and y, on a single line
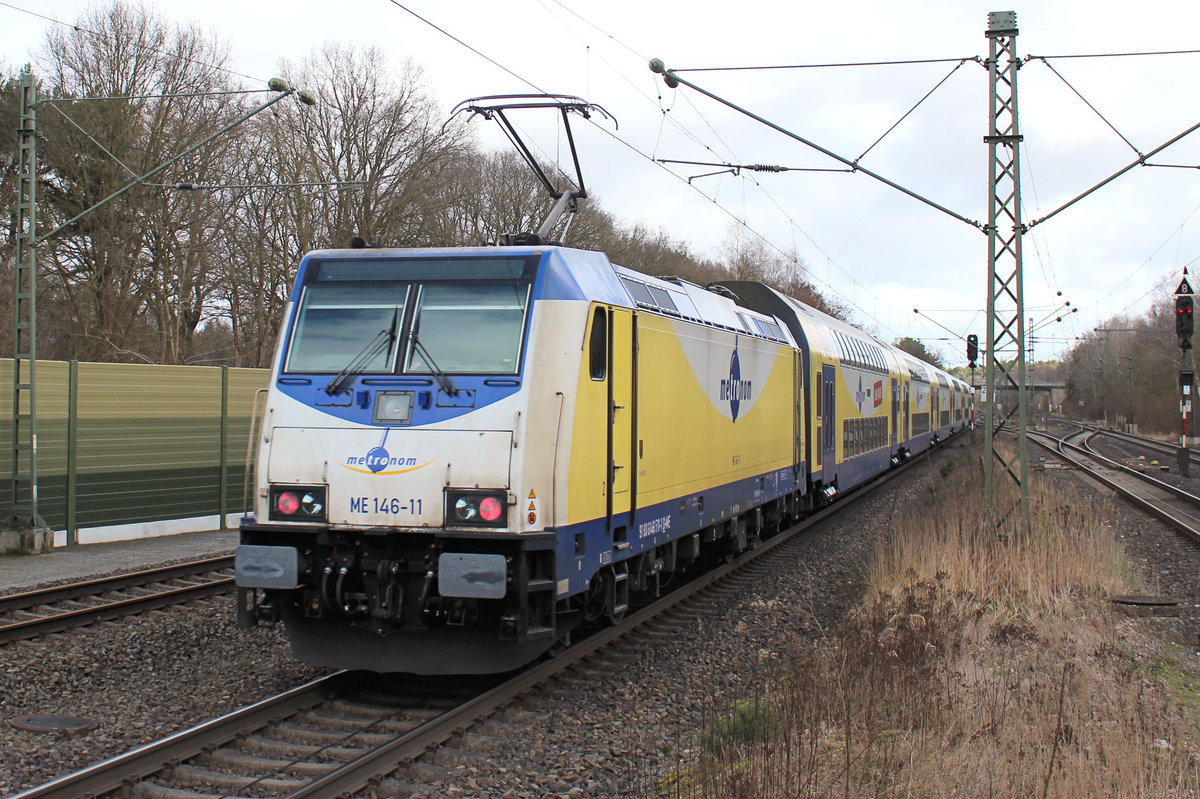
[(476, 508), (297, 503), (393, 407), (465, 510)]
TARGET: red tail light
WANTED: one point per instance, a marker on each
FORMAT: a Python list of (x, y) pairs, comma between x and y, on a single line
[(297, 504), (490, 509), (287, 503)]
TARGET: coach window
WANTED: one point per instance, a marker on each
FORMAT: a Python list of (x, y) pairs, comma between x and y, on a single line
[(598, 345)]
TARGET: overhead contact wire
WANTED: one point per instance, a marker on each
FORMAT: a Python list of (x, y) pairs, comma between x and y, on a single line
[(789, 258), (459, 41), (713, 200), (105, 37), (1089, 105), (829, 66)]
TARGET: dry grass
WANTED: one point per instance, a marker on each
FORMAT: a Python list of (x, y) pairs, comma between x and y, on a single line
[(979, 665)]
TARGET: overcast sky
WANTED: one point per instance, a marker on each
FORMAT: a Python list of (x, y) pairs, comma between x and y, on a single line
[(880, 251)]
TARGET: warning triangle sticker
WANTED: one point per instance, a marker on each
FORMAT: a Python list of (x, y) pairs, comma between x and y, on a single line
[(532, 506), (532, 495)]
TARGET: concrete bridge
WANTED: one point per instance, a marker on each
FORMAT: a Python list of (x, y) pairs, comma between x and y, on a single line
[(1046, 397)]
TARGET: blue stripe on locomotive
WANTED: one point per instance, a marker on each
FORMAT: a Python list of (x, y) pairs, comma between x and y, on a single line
[(659, 524)]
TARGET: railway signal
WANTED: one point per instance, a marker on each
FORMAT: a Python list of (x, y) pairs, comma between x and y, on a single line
[(1184, 307), (1186, 381), (1183, 321), (972, 350)]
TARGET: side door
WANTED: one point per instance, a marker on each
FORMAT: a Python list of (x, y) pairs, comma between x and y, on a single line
[(828, 419), (798, 410), (622, 428), (895, 411), (907, 410)]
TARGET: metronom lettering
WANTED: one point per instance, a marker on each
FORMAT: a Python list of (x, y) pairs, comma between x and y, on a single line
[(739, 390)]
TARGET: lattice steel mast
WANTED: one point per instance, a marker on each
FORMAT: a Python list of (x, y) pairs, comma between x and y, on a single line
[(24, 518), (1006, 363), (32, 533)]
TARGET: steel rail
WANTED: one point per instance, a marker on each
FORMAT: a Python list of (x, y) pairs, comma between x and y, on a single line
[(1167, 448), (110, 609), (1148, 443), (58, 593), (116, 772), (1175, 491), (1060, 446), (372, 766), (359, 773)]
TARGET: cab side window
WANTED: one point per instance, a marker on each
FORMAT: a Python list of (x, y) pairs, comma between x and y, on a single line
[(598, 345)]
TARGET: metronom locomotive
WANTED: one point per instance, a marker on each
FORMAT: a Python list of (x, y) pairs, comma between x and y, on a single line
[(466, 453)]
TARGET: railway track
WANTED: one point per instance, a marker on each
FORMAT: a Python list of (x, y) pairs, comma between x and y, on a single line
[(1167, 452), (50, 610), (350, 730), (1178, 508)]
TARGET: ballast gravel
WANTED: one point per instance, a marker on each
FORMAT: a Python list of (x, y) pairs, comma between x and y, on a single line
[(139, 679), (612, 726), (606, 729), (615, 727)]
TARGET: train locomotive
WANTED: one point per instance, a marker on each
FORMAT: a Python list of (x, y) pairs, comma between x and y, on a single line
[(468, 453)]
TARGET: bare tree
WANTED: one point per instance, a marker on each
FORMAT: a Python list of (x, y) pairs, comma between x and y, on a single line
[(359, 163), (1128, 369), (133, 275), (748, 257), (377, 140), (917, 349)]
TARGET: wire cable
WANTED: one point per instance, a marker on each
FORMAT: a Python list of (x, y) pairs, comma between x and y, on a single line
[(1089, 105), (832, 65), (459, 41), (80, 29), (788, 257)]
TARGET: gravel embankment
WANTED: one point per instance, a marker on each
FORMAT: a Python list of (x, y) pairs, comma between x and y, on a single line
[(1169, 564), (139, 679), (614, 726), (603, 730), (611, 725)]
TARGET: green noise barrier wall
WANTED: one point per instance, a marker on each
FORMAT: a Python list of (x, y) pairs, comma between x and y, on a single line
[(129, 443)]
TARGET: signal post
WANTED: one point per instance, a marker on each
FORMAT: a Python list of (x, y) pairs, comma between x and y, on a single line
[(1184, 325)]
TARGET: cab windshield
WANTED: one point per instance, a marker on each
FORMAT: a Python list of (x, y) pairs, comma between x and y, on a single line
[(449, 315), (467, 328), (335, 323)]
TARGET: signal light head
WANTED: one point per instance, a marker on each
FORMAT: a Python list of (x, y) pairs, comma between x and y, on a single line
[(1183, 321), (465, 510)]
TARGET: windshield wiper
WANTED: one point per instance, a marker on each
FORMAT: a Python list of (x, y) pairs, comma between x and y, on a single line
[(443, 379), (382, 340)]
